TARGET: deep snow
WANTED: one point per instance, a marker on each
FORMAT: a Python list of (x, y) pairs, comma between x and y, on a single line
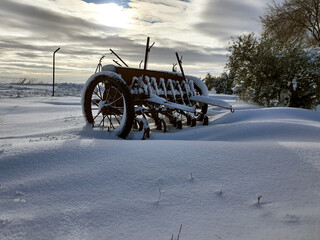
[(60, 180)]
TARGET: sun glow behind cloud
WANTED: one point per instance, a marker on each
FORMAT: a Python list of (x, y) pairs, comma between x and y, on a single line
[(112, 15)]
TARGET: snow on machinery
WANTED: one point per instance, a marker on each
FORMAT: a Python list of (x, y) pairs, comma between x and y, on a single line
[(119, 99)]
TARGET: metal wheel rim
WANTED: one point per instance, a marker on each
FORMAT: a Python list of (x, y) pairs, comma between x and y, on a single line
[(108, 107)]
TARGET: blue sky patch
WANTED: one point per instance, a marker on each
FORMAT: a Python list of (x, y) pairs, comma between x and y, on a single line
[(124, 3)]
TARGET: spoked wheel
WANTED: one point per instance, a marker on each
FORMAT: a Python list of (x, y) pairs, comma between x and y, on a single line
[(108, 104)]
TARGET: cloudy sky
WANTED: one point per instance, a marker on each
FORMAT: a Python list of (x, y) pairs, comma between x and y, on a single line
[(200, 30)]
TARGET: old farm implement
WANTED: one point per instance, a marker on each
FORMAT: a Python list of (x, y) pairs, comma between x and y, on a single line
[(120, 98)]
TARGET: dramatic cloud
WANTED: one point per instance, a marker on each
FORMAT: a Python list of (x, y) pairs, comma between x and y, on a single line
[(199, 30), (224, 18)]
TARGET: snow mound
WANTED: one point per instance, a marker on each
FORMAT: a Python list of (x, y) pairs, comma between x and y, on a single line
[(266, 124), (270, 114)]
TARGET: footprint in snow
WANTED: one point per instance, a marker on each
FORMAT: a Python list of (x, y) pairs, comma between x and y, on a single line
[(219, 192), (4, 222), (19, 200), (18, 197), (18, 193), (291, 218)]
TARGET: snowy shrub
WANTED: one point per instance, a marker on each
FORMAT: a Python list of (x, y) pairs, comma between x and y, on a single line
[(273, 73)]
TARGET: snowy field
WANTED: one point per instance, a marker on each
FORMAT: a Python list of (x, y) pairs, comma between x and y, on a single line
[(59, 180)]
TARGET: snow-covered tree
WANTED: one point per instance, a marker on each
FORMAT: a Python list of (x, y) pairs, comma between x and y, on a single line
[(273, 73)]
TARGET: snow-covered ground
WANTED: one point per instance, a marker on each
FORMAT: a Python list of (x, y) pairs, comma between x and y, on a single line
[(59, 180)]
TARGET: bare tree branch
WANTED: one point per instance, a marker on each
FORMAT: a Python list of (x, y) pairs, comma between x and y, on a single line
[(293, 19)]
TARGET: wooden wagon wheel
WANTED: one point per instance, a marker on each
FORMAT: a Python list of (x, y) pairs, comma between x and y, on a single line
[(108, 104)]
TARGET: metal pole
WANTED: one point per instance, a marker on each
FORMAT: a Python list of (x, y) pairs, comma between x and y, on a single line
[(54, 53), (118, 58), (146, 58), (180, 65)]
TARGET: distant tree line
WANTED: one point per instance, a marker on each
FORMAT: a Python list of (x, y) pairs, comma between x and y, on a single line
[(282, 66), (221, 84)]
